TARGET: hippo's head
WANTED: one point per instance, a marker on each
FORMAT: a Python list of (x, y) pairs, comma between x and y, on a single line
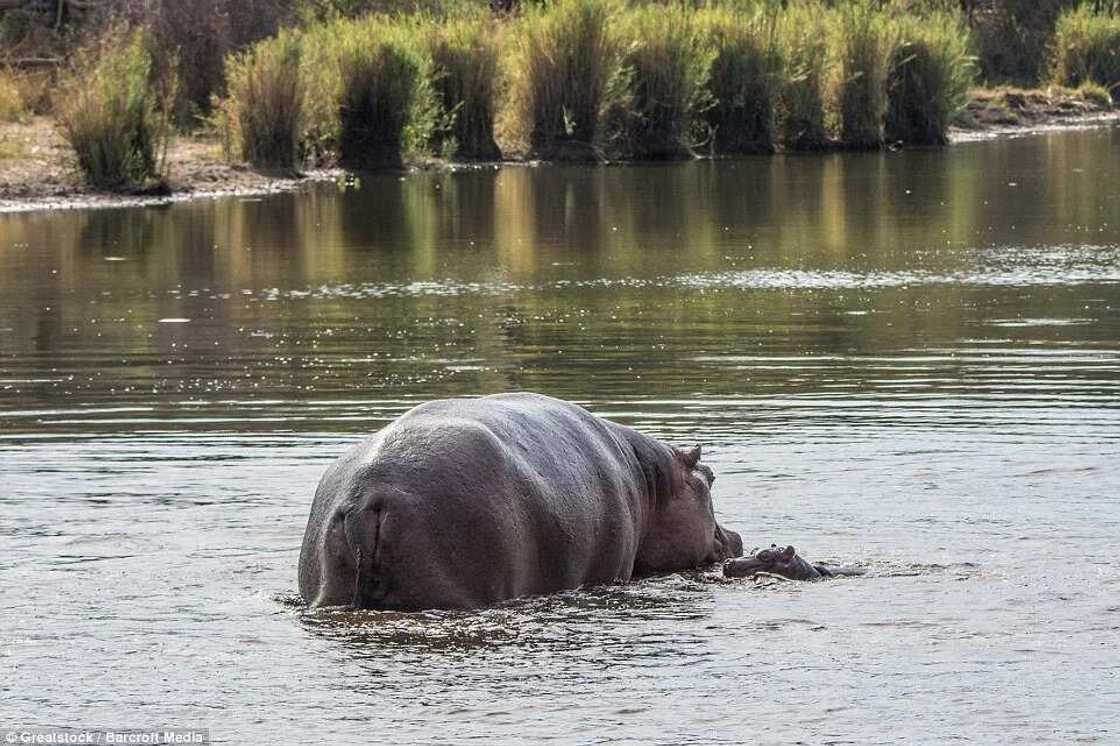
[(682, 531), (775, 561)]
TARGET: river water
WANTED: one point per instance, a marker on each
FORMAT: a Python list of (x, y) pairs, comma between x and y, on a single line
[(908, 361)]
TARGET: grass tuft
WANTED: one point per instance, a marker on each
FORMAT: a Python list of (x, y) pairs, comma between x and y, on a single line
[(665, 65), (264, 114), (863, 44), (464, 53), (1086, 49), (930, 73), (352, 91), (803, 47), (560, 77), (114, 115), (386, 106), (743, 83)]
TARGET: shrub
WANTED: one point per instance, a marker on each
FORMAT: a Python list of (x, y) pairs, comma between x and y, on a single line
[(928, 81), (862, 47), (1087, 49), (464, 54), (560, 76), (264, 113), (803, 47), (386, 105), (1012, 37), (743, 81), (113, 114), (11, 101), (665, 66), (199, 35)]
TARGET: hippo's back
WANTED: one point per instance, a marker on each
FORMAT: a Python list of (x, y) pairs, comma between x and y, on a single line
[(465, 502)]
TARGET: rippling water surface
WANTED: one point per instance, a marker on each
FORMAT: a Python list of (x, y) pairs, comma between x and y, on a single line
[(909, 361)]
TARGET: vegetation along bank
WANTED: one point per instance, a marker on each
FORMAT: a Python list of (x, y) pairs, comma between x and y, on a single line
[(323, 84)]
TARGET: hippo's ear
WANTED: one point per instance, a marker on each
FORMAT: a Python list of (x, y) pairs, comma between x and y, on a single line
[(692, 457), (788, 552)]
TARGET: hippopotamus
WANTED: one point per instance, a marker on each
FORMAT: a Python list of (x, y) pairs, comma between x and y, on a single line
[(463, 503), (785, 563)]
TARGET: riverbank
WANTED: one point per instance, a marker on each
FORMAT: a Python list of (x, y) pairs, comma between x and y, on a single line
[(37, 170)]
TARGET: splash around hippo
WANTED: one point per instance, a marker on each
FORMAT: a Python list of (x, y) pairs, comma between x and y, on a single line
[(463, 503)]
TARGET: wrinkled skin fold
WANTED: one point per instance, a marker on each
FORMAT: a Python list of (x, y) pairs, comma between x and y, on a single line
[(463, 503)]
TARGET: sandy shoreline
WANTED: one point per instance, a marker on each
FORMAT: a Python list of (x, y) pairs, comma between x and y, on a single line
[(37, 172)]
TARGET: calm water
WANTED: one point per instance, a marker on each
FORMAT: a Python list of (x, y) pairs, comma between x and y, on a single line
[(909, 361)]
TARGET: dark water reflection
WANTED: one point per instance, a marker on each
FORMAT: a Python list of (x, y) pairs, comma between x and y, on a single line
[(909, 361)]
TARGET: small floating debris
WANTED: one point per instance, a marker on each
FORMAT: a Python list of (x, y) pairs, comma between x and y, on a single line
[(116, 258), (174, 320)]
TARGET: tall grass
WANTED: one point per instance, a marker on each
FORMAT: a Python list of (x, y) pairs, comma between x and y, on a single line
[(264, 114), (1012, 37), (386, 105), (561, 73), (743, 82), (12, 108), (199, 35), (464, 53), (1087, 49), (351, 91), (665, 65), (321, 72), (931, 71), (803, 47), (863, 42), (571, 79), (114, 115)]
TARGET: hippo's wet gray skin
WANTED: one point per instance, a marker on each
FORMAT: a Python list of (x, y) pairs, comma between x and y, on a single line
[(462, 503), (784, 562)]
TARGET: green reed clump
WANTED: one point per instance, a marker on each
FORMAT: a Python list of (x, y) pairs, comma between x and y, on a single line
[(386, 104), (743, 81), (803, 48), (369, 98), (665, 65), (560, 76), (114, 115), (263, 115), (930, 73), (1086, 48), (12, 108), (321, 72), (464, 53), (863, 42)]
